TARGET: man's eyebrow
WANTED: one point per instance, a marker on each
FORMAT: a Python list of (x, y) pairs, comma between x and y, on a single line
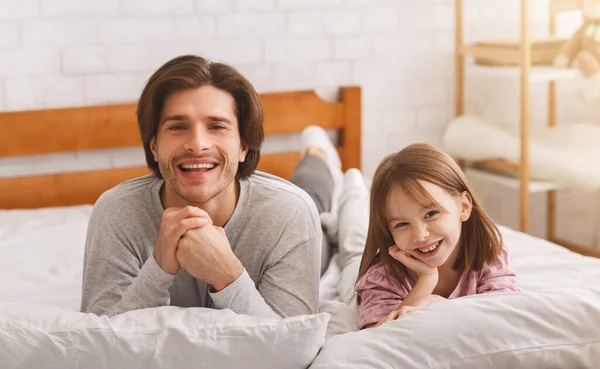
[(174, 117), (216, 118)]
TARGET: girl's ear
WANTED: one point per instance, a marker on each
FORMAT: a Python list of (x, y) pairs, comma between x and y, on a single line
[(466, 206)]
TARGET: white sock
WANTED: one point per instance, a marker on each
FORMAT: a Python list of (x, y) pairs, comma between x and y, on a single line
[(315, 136)]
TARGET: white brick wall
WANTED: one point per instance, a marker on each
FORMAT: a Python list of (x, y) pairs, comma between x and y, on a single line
[(83, 60), (10, 34), (74, 8), (1, 95), (78, 52), (218, 6), (19, 9), (137, 8)]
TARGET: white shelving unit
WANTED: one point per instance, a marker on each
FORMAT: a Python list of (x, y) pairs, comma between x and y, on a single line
[(525, 74)]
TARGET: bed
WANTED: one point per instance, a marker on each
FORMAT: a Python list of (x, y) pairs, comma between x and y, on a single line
[(553, 323)]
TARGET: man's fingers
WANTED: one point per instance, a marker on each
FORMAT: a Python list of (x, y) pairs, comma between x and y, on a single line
[(193, 211), (185, 225), (176, 214)]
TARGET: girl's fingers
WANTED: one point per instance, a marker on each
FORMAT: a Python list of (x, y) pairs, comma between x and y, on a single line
[(391, 316), (406, 310)]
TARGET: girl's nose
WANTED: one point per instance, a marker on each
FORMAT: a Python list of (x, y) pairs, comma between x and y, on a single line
[(420, 233)]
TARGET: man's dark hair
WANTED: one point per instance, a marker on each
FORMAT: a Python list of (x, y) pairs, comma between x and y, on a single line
[(191, 71)]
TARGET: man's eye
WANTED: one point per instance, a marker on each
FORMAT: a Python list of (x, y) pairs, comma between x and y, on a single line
[(176, 127), (218, 127)]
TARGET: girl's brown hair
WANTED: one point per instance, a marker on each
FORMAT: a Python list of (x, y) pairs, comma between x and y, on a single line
[(480, 240)]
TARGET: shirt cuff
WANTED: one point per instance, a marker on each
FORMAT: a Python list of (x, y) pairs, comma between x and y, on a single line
[(226, 298), (151, 271)]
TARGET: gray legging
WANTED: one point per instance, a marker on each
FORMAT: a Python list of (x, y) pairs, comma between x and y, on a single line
[(314, 177)]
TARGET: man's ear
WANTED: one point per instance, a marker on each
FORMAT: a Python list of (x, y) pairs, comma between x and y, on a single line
[(243, 152), (154, 149), (466, 206)]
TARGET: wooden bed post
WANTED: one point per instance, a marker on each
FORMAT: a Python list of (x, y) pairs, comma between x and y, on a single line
[(525, 116), (351, 142), (459, 60), (551, 195)]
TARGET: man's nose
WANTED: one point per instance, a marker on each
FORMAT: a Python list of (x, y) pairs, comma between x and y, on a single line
[(198, 140)]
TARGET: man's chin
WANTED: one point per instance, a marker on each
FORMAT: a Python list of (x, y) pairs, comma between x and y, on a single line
[(196, 198)]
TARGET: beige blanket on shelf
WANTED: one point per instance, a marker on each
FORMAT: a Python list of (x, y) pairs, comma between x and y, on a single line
[(568, 155)]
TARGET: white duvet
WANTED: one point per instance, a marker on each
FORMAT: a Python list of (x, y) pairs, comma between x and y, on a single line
[(554, 323)]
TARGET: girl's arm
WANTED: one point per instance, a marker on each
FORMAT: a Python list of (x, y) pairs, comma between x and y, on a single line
[(420, 296), (378, 297), (424, 287), (427, 277)]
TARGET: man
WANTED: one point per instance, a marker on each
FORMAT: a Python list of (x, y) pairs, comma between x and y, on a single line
[(204, 230)]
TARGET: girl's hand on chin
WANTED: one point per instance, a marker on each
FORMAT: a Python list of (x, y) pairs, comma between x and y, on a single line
[(412, 263)]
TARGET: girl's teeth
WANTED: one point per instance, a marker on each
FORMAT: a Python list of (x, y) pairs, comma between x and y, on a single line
[(430, 248)]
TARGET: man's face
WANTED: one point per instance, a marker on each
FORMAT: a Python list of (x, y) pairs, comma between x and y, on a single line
[(197, 145)]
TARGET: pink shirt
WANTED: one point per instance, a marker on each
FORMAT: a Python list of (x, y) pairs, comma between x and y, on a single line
[(379, 297)]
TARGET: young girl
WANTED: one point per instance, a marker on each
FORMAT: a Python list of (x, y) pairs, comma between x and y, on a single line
[(428, 240)]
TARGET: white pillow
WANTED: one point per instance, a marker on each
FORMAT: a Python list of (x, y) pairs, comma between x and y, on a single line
[(44, 336), (552, 329), (41, 255), (343, 319)]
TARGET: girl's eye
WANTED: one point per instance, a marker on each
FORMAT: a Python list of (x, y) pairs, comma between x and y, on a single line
[(400, 225), (431, 214)]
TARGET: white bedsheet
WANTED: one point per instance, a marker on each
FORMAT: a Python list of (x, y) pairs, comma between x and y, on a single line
[(41, 257)]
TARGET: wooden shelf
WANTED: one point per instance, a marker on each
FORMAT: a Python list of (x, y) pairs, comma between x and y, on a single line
[(536, 74), (510, 182), (565, 5), (499, 54)]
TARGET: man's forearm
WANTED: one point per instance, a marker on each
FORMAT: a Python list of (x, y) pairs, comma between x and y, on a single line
[(150, 288), (242, 297)]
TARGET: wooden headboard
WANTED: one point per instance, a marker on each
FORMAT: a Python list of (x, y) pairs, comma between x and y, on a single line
[(114, 126)]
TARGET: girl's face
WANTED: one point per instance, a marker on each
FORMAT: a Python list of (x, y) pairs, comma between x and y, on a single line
[(431, 232)]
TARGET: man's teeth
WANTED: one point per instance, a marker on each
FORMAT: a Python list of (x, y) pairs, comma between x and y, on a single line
[(198, 166), (429, 249)]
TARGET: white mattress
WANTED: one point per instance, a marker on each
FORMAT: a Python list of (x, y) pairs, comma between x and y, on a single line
[(41, 258)]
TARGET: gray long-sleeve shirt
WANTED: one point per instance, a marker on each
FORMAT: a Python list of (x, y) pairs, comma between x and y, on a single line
[(274, 231)]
